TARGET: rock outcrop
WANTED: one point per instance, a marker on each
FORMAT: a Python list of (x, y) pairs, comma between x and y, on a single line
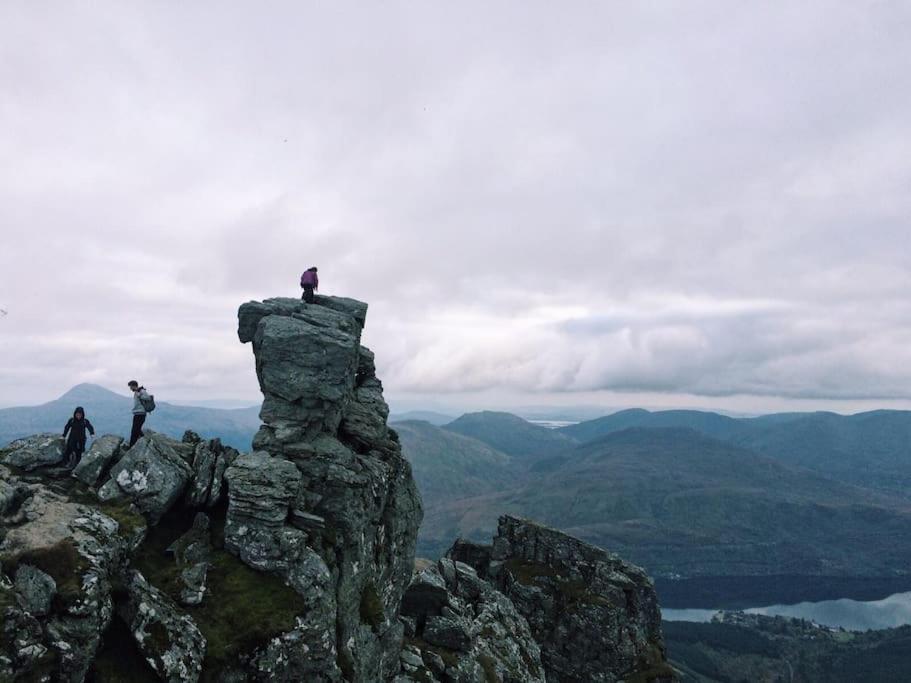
[(98, 459), (340, 497), (65, 557), (458, 627), (32, 452), (595, 616)]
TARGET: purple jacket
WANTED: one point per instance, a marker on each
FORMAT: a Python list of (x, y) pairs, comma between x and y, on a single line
[(309, 279)]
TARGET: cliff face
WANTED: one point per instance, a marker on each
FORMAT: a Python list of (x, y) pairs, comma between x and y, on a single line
[(294, 562), (595, 617), (343, 510)]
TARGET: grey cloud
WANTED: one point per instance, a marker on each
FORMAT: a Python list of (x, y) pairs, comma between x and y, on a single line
[(530, 198)]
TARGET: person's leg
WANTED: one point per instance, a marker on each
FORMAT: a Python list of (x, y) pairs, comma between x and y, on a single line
[(68, 453), (136, 432), (77, 455), (308, 294)]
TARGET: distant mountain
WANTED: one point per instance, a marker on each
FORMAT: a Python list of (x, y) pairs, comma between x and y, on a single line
[(109, 413), (868, 449), (712, 424), (430, 416), (510, 434), (683, 504)]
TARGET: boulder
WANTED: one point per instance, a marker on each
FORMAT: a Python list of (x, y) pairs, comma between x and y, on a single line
[(260, 491), (210, 461), (169, 640), (96, 461), (465, 630), (36, 590), (152, 475), (32, 452)]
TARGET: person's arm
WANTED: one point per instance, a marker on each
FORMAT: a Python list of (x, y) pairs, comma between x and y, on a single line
[(89, 426), (315, 281), (69, 423)]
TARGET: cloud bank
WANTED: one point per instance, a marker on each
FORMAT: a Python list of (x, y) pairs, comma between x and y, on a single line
[(677, 199)]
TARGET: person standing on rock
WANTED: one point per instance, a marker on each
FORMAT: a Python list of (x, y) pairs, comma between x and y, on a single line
[(76, 426), (309, 283), (142, 404)]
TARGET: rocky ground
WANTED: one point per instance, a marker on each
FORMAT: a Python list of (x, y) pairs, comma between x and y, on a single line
[(187, 560)]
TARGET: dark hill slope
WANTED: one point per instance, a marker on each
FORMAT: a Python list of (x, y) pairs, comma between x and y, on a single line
[(870, 449), (681, 503), (510, 433), (110, 414), (449, 466)]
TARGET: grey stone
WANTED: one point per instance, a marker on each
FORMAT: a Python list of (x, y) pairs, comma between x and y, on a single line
[(476, 624), (36, 590), (260, 491), (594, 615), (152, 475), (104, 451), (168, 638), (32, 452), (449, 632)]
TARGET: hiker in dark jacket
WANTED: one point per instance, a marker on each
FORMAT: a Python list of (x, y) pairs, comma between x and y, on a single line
[(139, 410), (75, 442), (309, 283)]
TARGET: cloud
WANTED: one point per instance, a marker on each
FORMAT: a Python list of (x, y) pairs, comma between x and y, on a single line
[(683, 199)]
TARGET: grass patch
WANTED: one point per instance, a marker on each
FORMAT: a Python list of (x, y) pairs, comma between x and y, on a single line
[(61, 561), (242, 609)]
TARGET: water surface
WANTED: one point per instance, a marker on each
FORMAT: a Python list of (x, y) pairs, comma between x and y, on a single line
[(853, 615)]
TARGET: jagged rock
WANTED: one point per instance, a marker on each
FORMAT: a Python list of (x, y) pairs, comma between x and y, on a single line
[(93, 464), (32, 452), (192, 554), (210, 461), (12, 495), (260, 491), (171, 643), (64, 556), (356, 504), (364, 421), (465, 630), (36, 590), (595, 616), (152, 475)]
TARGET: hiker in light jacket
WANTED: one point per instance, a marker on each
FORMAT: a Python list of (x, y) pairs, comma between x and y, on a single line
[(309, 283), (139, 412), (76, 426)]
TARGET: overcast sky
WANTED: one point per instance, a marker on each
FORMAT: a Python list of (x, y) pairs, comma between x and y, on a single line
[(611, 203)]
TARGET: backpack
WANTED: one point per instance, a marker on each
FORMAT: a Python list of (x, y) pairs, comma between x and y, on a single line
[(148, 402)]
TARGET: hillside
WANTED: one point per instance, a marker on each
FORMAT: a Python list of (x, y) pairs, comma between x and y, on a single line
[(109, 412), (744, 647), (871, 449), (450, 466), (509, 433), (683, 504)]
